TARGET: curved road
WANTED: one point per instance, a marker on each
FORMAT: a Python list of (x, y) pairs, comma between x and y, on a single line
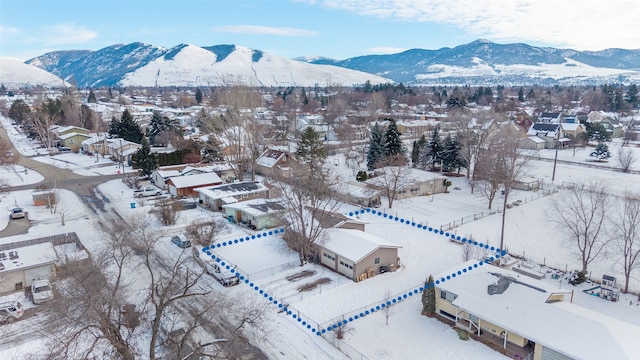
[(83, 186)]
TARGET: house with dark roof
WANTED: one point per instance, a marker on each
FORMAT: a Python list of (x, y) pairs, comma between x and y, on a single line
[(551, 133), (255, 214)]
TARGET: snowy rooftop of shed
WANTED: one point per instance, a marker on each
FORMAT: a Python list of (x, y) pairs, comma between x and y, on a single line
[(354, 244), (26, 257)]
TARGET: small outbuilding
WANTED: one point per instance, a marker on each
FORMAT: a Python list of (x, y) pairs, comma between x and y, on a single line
[(255, 214), (358, 255), (19, 267)]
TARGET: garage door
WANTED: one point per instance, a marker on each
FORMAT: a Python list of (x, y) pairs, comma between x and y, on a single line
[(550, 354), (43, 272)]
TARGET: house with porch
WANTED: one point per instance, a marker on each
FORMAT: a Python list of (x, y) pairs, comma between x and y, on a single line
[(528, 318), (122, 150), (551, 133)]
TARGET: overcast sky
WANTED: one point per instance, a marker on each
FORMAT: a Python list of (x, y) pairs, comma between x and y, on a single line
[(338, 29)]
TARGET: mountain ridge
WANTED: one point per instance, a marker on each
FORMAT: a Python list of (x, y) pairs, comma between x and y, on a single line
[(480, 62)]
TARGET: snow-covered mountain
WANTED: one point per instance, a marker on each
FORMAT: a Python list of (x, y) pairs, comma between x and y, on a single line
[(16, 74), (139, 64), (482, 62)]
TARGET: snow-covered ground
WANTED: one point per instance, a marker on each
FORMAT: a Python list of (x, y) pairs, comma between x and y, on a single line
[(266, 262)]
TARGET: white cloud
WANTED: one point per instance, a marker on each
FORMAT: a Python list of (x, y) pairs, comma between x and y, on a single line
[(61, 34), (265, 30), (578, 24), (8, 30)]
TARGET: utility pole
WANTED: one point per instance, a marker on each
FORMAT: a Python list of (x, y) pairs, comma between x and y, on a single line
[(555, 159)]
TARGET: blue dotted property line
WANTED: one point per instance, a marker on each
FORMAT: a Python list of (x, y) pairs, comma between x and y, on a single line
[(243, 239), (381, 306), (406, 295), (424, 227)]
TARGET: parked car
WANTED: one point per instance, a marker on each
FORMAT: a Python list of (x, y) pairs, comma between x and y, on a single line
[(17, 213), (10, 311), (223, 275), (147, 191), (41, 291), (65, 149), (180, 241)]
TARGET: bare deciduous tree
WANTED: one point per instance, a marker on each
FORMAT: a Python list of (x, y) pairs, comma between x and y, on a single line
[(393, 176), (94, 312), (167, 212), (235, 124), (581, 216), (204, 231), (627, 224), (309, 202), (626, 158)]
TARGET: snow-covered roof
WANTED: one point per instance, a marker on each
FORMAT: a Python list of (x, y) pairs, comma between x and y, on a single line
[(354, 245), (270, 157), (167, 173), (257, 207), (522, 309), (357, 191), (27, 257), (187, 181), (231, 190), (72, 134), (571, 126)]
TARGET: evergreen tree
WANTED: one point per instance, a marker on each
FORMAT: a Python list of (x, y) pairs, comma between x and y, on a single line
[(429, 297), (632, 96), (311, 148), (19, 111), (415, 151), (126, 128), (160, 124), (521, 94), (601, 152), (431, 154), (92, 97), (198, 96), (376, 147), (392, 142), (144, 160), (451, 157), (3, 89)]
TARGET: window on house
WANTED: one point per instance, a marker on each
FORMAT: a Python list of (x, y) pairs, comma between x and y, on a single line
[(376, 261), (447, 296), (71, 141)]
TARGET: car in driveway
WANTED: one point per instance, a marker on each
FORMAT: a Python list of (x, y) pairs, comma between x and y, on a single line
[(17, 213), (223, 275), (180, 241), (10, 311)]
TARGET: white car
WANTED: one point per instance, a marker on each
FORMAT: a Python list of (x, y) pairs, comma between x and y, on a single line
[(220, 273), (41, 291), (10, 311)]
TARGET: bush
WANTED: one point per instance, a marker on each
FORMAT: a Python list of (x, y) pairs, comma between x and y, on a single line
[(362, 176), (463, 335)]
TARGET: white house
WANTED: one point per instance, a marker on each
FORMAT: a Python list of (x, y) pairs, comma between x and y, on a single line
[(530, 317)]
